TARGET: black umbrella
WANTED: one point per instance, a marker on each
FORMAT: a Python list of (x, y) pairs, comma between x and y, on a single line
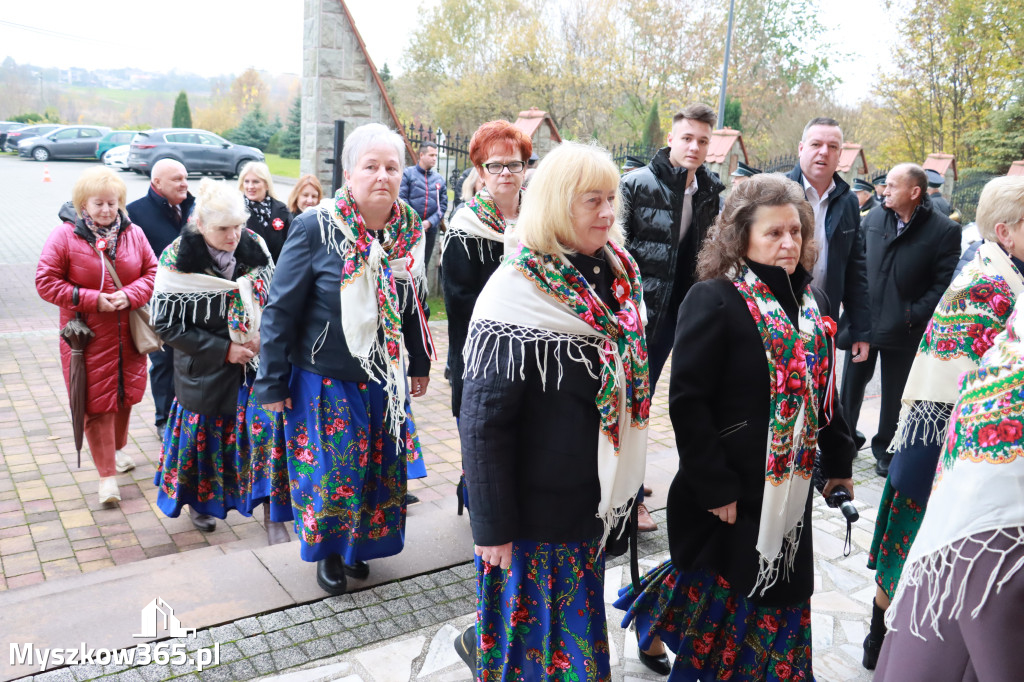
[(77, 335)]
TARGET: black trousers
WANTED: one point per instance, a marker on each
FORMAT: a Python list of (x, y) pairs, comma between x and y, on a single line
[(429, 239), (896, 363), (161, 381)]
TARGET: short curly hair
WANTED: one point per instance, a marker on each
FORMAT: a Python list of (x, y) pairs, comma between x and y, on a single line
[(727, 242), (501, 134)]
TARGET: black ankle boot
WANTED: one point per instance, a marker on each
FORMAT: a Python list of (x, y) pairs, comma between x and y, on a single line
[(873, 642), (465, 647), (360, 570), (330, 575)]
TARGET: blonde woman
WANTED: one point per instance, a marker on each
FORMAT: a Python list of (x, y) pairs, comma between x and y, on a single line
[(71, 275), (268, 216), (556, 339)]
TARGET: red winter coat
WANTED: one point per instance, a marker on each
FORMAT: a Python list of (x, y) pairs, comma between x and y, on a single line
[(69, 260)]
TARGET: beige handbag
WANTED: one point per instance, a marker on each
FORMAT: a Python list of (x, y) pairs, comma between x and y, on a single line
[(145, 339)]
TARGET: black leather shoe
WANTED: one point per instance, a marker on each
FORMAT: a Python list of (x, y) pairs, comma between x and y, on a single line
[(882, 467), (203, 522), (465, 647), (360, 570), (859, 439), (872, 647), (161, 424), (330, 575), (656, 664), (410, 499)]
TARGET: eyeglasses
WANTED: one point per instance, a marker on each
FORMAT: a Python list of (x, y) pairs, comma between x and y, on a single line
[(496, 168)]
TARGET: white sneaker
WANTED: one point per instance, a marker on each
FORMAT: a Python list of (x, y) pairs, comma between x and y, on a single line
[(123, 462), (108, 490)]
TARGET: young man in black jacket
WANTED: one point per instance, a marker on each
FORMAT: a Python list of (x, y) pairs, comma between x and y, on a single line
[(669, 206), (912, 251)]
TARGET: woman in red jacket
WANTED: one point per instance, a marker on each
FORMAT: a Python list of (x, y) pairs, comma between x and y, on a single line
[(72, 275)]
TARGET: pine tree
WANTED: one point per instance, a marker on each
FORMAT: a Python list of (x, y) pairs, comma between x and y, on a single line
[(653, 136), (254, 130), (182, 117), (733, 113), (291, 136)]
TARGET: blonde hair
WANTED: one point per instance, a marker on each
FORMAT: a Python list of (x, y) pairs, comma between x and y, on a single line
[(217, 205), (571, 169), (1001, 201), (307, 179), (469, 185), (261, 171), (96, 181)]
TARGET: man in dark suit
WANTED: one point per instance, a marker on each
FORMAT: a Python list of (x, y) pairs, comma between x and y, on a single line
[(912, 250), (161, 214), (939, 203)]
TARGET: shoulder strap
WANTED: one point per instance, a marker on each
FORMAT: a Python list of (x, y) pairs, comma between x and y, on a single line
[(110, 267)]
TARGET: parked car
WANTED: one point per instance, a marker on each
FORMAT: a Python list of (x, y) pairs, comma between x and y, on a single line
[(5, 127), (67, 142), (17, 135), (115, 138), (117, 157), (199, 150)]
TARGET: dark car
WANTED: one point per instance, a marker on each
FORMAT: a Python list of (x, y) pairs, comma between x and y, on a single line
[(67, 142), (115, 138), (5, 127), (200, 151), (16, 135)]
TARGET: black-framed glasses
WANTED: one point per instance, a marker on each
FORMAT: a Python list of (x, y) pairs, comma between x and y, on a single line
[(495, 168)]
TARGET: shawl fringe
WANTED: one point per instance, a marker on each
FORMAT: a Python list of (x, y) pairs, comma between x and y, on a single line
[(921, 421)]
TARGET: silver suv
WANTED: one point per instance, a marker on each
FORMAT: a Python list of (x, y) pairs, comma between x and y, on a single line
[(199, 150)]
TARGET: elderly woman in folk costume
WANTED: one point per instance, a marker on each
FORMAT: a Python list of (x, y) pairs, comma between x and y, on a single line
[(556, 339), (753, 366), (475, 240), (211, 285), (955, 616), (344, 303), (974, 309)]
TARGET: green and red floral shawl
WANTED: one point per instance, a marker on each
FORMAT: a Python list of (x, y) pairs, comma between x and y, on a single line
[(543, 298), (799, 373), (972, 311), (976, 499), (480, 219), (371, 309)]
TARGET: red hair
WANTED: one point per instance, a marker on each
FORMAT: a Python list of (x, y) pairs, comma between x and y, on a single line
[(499, 133)]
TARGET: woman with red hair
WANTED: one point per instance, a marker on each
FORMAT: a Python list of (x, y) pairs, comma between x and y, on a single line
[(499, 152)]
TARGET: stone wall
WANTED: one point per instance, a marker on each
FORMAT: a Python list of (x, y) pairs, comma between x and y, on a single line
[(337, 83)]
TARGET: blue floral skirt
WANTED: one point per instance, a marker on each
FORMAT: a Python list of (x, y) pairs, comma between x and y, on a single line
[(417, 467), (263, 464), (199, 463), (716, 632), (544, 617), (348, 474)]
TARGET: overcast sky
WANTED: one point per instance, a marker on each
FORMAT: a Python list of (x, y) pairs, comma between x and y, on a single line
[(214, 38)]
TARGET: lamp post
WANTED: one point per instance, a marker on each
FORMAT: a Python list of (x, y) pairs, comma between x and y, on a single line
[(725, 67)]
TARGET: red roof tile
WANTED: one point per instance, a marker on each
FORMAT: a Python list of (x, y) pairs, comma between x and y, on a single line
[(722, 141), (940, 163), (852, 156), (533, 118)]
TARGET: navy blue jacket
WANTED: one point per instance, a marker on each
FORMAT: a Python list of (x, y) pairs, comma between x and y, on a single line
[(846, 278), (158, 220), (303, 313), (414, 191)]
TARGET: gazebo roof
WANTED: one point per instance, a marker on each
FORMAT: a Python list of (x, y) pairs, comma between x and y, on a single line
[(852, 156), (532, 119), (722, 141), (940, 163)]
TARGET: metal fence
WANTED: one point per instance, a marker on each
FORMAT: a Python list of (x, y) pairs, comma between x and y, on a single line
[(779, 164), (642, 152), (966, 192), (452, 150)]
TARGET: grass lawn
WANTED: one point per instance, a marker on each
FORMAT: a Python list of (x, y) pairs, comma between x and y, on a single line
[(288, 168), (437, 311)]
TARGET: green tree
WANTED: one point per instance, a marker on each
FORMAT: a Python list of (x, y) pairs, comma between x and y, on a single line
[(182, 117), (1002, 143), (733, 113), (653, 135), (254, 130), (291, 136)]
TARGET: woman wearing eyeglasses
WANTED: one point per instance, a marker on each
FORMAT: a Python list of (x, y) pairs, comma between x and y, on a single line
[(474, 242)]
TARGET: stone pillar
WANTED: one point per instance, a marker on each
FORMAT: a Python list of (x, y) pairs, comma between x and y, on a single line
[(338, 82)]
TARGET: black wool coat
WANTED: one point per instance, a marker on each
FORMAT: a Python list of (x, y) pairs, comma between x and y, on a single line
[(204, 381), (465, 270), (530, 452), (907, 274), (653, 197), (272, 236), (718, 402), (158, 219)]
